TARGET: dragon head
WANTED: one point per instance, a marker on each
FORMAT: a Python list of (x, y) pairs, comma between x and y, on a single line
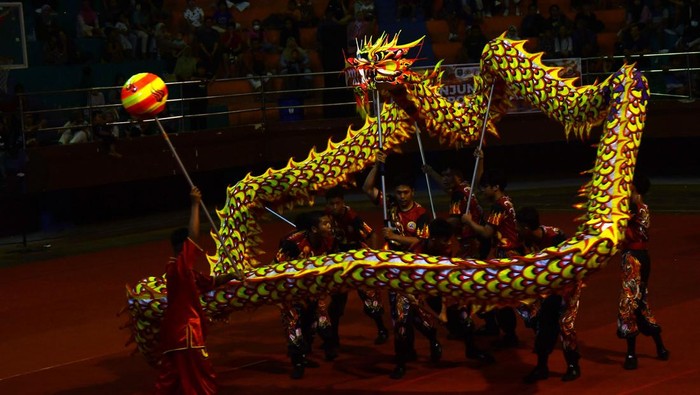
[(379, 62)]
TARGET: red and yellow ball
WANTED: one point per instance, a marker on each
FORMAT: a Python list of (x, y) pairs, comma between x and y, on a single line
[(144, 95)]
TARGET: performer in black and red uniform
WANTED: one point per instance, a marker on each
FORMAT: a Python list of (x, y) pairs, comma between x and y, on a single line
[(314, 237), (438, 243), (185, 367), (501, 227), (409, 222), (634, 315), (459, 190), (545, 315), (352, 232)]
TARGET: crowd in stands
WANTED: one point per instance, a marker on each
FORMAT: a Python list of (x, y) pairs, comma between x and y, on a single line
[(210, 39)]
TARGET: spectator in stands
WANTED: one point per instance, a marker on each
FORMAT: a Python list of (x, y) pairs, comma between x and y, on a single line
[(364, 7), (331, 34), (557, 19), (563, 43), (290, 28), (54, 52), (506, 6), (209, 46), (295, 60), (76, 130), (103, 134), (142, 25), (472, 46), (114, 50), (133, 40), (662, 34), (95, 102), (634, 41), (186, 65), (197, 93), (45, 23), (406, 9), (456, 12), (584, 40), (111, 11), (232, 46), (533, 23), (590, 20), (257, 32), (166, 45), (111, 116), (546, 43), (512, 33), (307, 13), (114, 94), (88, 21), (637, 12), (254, 65), (194, 16), (360, 27), (222, 17)]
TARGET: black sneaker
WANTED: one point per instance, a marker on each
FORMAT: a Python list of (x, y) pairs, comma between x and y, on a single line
[(630, 363), (297, 372), (506, 342), (537, 374), (572, 373), (435, 351), (398, 372), (481, 356), (486, 331), (382, 337), (310, 363), (663, 354), (331, 353)]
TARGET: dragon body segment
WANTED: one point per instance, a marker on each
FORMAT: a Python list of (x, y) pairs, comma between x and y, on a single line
[(619, 103)]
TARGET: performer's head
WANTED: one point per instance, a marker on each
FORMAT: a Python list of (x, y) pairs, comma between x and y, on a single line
[(528, 220), (404, 191), (441, 232), (452, 176), (641, 183), (335, 201), (493, 182), (316, 223), (178, 238)]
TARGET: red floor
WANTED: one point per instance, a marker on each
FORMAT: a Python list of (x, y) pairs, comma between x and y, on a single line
[(60, 334)]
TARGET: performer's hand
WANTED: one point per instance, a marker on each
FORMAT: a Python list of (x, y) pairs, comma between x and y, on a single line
[(388, 233), (427, 169), (467, 218), (195, 196), (381, 157), (443, 316), (479, 153)]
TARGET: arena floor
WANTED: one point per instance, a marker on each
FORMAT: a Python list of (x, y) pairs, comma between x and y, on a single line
[(61, 331)]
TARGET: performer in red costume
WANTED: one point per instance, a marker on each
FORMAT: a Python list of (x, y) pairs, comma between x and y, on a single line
[(501, 227), (634, 314), (314, 237), (545, 315), (185, 367), (409, 222), (352, 232)]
